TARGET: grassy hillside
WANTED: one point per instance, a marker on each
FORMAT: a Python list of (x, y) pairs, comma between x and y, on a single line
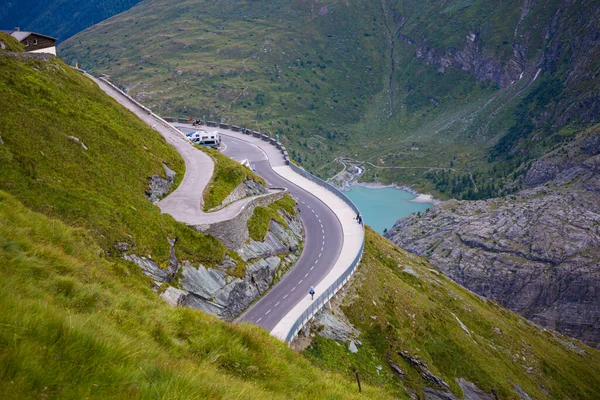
[(79, 322), (10, 43), (400, 303), (477, 88), (50, 112), (76, 324), (228, 175)]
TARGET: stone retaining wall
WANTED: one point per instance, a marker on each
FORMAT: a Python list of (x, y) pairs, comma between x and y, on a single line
[(28, 55), (234, 232)]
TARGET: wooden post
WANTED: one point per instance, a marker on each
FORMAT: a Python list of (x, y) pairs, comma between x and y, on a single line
[(358, 381)]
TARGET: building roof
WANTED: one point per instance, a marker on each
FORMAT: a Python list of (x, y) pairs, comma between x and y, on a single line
[(22, 35)]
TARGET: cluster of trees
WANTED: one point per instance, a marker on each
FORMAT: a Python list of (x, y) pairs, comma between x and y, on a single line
[(463, 186)]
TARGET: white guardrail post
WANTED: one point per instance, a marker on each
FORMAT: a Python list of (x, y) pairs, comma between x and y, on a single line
[(331, 291)]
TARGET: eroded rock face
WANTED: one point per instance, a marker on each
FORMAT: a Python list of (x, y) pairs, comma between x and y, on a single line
[(248, 188), (159, 186), (536, 252), (279, 240), (215, 290)]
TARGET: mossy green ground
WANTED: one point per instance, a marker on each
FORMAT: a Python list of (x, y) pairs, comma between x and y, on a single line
[(102, 188), (11, 43), (78, 324), (258, 224), (228, 175), (400, 303)]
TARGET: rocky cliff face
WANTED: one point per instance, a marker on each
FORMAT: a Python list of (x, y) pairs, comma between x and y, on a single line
[(536, 252), (223, 291)]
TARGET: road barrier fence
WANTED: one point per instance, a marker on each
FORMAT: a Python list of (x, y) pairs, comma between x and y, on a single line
[(324, 297), (331, 291)]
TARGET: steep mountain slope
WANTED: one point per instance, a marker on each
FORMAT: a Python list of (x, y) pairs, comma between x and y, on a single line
[(69, 151), (77, 319), (77, 324), (387, 83), (59, 18), (536, 252), (405, 326)]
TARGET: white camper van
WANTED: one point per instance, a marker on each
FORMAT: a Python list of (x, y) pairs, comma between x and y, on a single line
[(203, 138)]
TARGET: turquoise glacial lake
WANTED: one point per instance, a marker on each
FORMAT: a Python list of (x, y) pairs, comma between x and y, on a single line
[(381, 208)]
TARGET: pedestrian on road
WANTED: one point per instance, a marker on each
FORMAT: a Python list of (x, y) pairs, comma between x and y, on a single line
[(359, 218), (312, 293)]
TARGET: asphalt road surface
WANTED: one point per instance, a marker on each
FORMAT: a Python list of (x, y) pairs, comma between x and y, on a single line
[(322, 242)]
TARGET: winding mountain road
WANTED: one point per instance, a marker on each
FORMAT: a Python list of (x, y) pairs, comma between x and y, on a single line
[(184, 203), (323, 233), (333, 240)]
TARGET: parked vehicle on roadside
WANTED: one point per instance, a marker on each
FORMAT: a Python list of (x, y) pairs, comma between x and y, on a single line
[(204, 138)]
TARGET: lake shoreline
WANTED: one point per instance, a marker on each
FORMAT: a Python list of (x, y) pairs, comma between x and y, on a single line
[(420, 197)]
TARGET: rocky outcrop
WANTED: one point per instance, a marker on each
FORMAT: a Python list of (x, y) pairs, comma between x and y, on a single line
[(248, 188), (280, 239), (234, 232), (213, 291), (536, 252), (470, 392), (474, 59), (159, 186), (217, 290)]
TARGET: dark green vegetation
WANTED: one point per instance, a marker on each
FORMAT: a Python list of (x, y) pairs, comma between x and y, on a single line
[(45, 107), (258, 224), (399, 303), (228, 175), (76, 324), (476, 88), (11, 44), (59, 19)]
